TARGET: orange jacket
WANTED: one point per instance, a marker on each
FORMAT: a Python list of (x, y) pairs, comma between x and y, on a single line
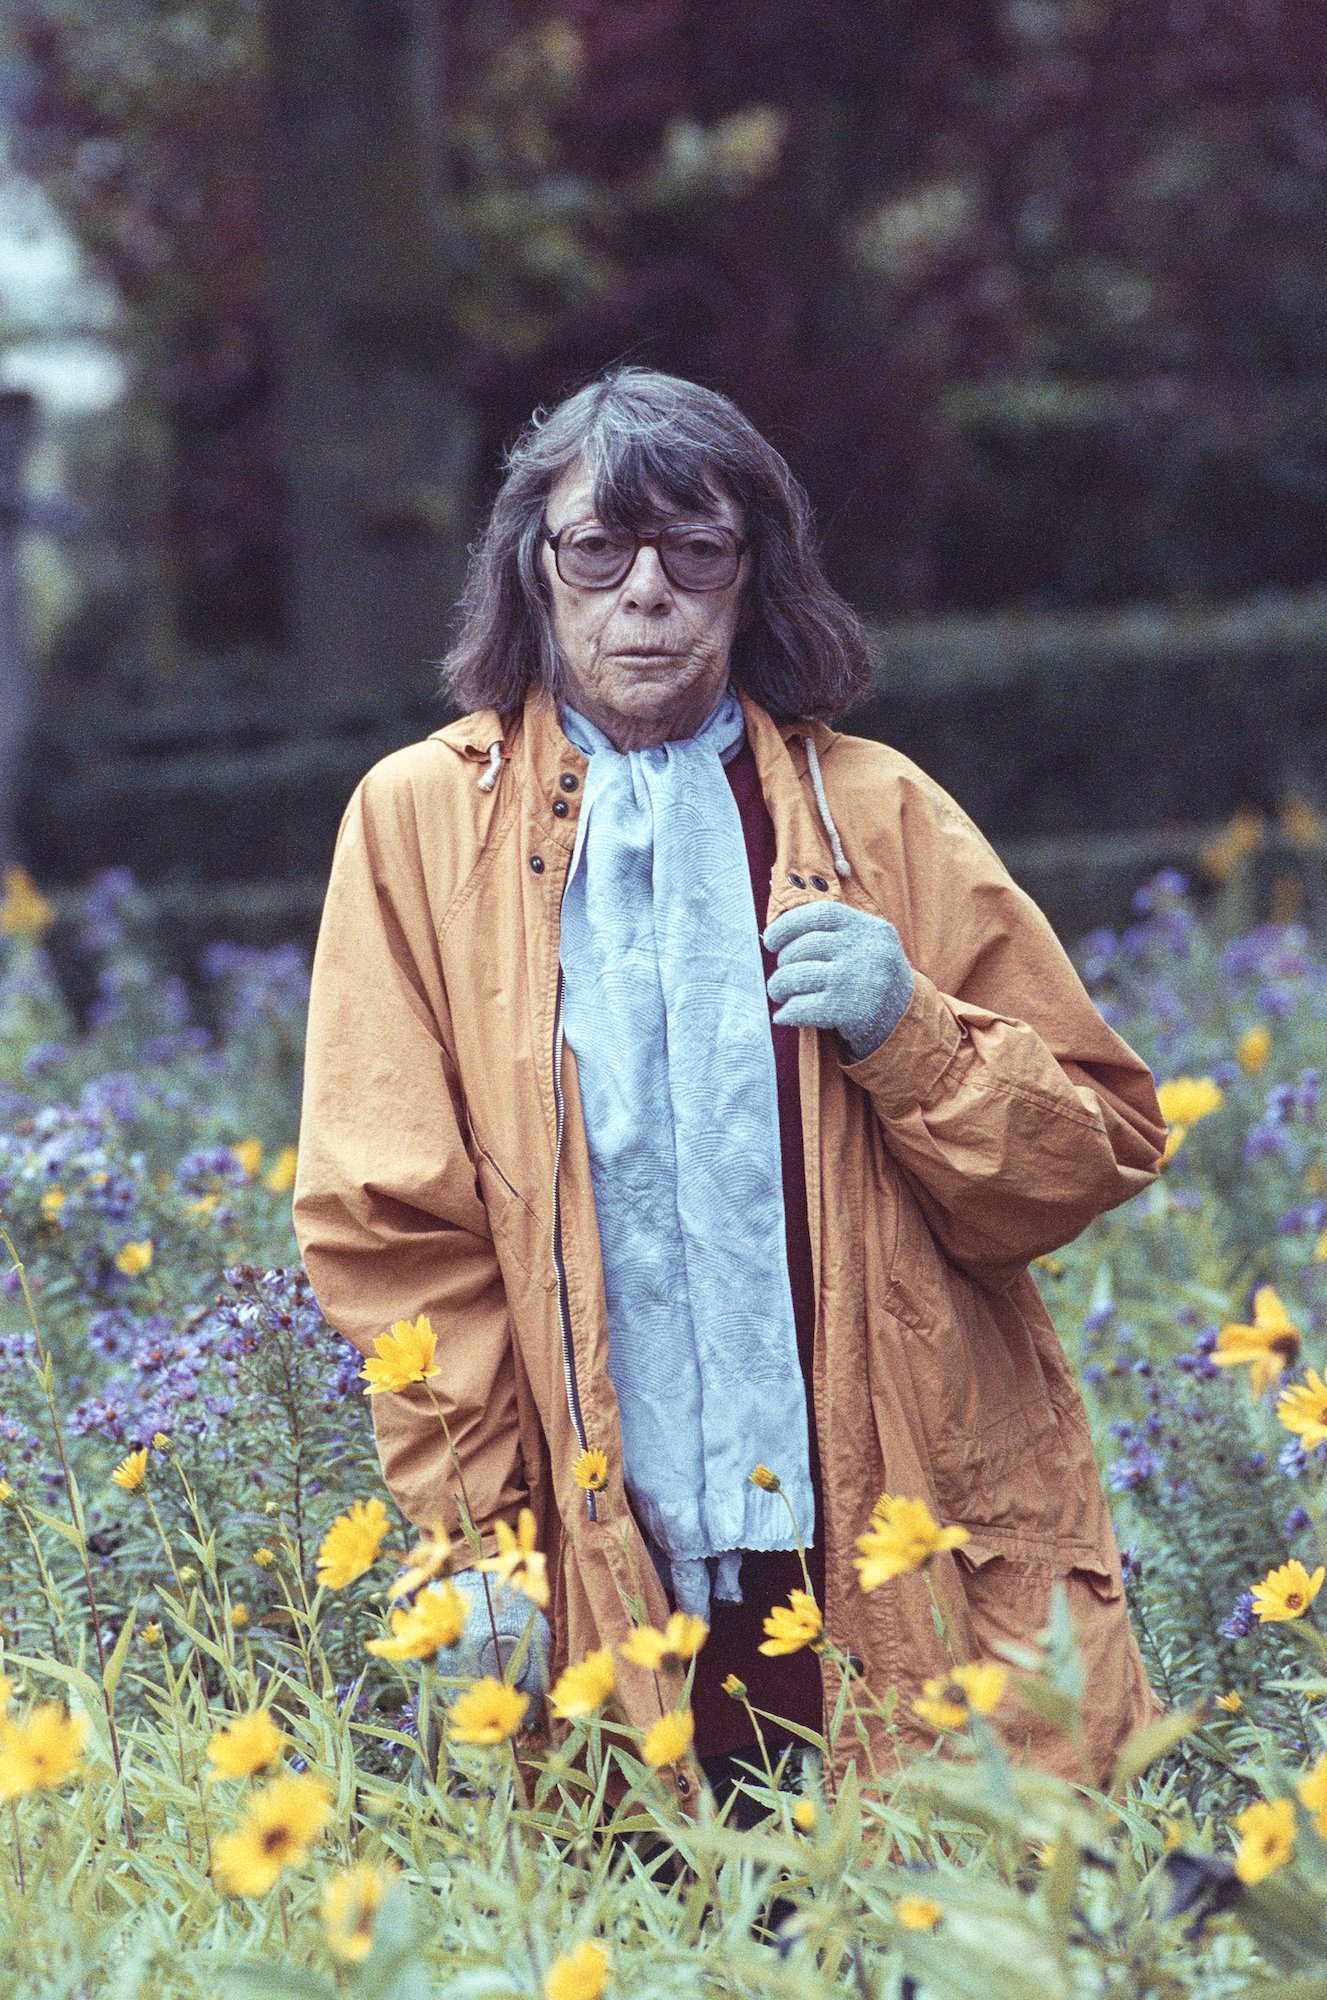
[(443, 1169)]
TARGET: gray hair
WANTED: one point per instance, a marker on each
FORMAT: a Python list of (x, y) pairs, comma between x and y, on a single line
[(800, 651)]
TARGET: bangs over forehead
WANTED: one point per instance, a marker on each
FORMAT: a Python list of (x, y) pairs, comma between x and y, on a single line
[(640, 475)]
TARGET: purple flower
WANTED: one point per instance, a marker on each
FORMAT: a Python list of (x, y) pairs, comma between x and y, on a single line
[(1295, 1522), (1135, 1470), (1240, 1622)]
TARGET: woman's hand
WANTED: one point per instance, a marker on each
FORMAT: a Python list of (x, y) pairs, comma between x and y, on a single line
[(839, 967)]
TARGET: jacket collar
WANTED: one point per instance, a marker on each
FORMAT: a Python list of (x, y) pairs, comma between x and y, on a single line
[(533, 742)]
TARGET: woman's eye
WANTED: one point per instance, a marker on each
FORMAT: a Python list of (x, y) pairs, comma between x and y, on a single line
[(593, 543)]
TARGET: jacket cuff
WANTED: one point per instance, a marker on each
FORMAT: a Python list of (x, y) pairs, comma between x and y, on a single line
[(904, 1070)]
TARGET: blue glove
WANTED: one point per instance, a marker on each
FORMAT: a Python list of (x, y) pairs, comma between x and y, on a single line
[(839, 967), (475, 1654)]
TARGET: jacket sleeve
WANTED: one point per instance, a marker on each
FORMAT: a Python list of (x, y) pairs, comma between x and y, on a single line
[(1015, 1112), (386, 1208)]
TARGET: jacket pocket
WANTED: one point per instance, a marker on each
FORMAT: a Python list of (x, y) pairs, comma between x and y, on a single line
[(519, 1233), (1007, 1590)]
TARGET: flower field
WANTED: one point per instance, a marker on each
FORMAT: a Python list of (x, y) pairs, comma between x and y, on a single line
[(222, 1646)]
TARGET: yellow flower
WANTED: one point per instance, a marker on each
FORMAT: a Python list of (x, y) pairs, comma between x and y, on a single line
[(350, 1902), (518, 1562), (583, 1688), (670, 1738), (1312, 1789), (731, 1685), (132, 1471), (1320, 1249), (1172, 1836), (805, 1815), (203, 1207), (6, 1692), (24, 911), (248, 1744), (486, 1712), (151, 1634), (581, 1974), (160, 1441), (1175, 1138), (902, 1537), (591, 1471), (1186, 1099), (1267, 1348), (918, 1913), (280, 1176), (791, 1629), (281, 1824), (42, 1751), (424, 1563), (1266, 1836), (1255, 1045), (1303, 1409), (6, 1490), (947, 1700), (1242, 835), (1286, 1592), (53, 1201), (248, 1152), (264, 1558), (681, 1639), (1232, 1702), (351, 1544), (239, 1616), (433, 1622), (134, 1257), (404, 1356), (766, 1480)]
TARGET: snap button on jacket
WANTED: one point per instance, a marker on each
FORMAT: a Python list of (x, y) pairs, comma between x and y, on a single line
[(443, 1169)]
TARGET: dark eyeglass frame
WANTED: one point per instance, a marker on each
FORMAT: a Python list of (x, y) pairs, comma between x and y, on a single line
[(738, 543)]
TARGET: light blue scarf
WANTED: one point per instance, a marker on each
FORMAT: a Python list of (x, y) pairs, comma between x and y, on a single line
[(666, 1009)]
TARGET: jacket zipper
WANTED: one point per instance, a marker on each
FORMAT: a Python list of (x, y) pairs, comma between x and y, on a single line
[(564, 1304)]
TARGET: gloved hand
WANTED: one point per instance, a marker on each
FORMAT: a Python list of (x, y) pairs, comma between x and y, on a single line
[(839, 967), (475, 1653)]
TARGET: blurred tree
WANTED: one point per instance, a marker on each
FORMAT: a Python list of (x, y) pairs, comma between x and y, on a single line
[(1028, 290)]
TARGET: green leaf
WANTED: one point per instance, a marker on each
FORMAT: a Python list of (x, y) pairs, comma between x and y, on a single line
[(1149, 1743), (65, 1528), (110, 1680)]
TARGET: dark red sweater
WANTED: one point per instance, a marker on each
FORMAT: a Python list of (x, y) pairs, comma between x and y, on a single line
[(788, 1685)]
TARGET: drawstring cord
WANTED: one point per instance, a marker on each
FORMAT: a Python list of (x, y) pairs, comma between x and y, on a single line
[(489, 778), (836, 845)]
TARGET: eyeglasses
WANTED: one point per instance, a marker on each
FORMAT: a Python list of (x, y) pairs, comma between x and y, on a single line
[(695, 555)]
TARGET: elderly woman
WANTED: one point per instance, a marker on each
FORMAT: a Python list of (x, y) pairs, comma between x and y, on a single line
[(705, 1079)]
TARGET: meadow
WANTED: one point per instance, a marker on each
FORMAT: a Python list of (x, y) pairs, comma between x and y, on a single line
[(211, 1707)]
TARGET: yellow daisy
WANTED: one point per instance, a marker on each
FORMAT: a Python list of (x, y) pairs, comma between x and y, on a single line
[(903, 1536), (947, 1700), (581, 1974), (793, 1625), (1266, 1836), (247, 1745), (432, 1623), (486, 1712), (132, 1471), (350, 1902), (280, 1825), (134, 1257), (1303, 1409), (427, 1561), (1267, 1348), (669, 1739), (404, 1356), (351, 1544), (1286, 1592), (585, 1687), (1186, 1099), (590, 1471), (280, 1176), (1255, 1045), (681, 1639), (918, 1913), (518, 1562), (41, 1751)]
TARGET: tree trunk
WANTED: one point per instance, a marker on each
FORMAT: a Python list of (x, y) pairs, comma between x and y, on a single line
[(376, 441), (18, 413)]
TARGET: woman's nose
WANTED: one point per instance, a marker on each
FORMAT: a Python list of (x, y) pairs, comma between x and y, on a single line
[(646, 588)]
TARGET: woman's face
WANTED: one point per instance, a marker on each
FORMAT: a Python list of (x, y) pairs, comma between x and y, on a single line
[(645, 661)]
